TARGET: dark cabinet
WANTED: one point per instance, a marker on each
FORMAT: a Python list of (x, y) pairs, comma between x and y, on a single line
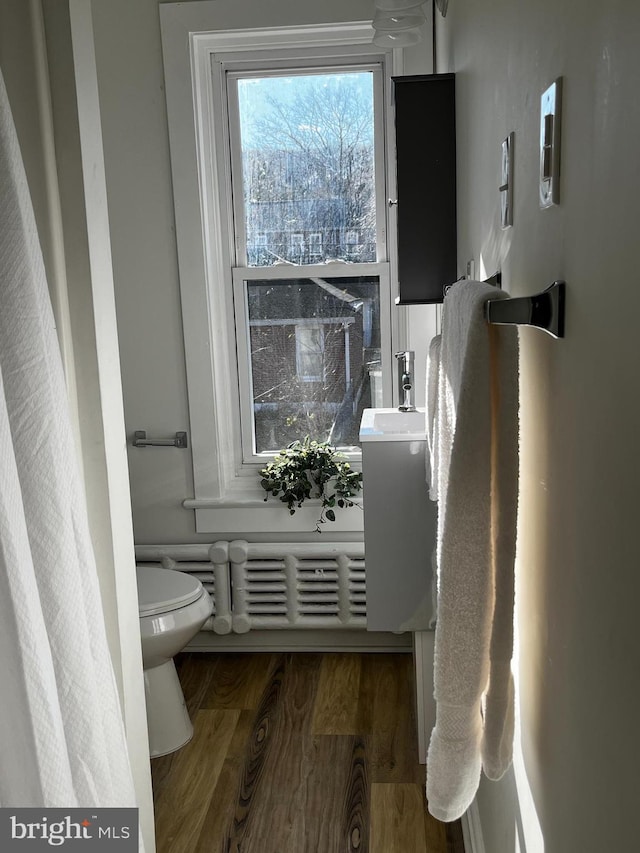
[(426, 184)]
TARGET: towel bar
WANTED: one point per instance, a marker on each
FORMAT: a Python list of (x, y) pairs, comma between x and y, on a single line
[(495, 279), (140, 440), (542, 310)]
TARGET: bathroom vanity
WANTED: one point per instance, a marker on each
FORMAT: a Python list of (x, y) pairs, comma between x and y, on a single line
[(399, 521), (400, 537)]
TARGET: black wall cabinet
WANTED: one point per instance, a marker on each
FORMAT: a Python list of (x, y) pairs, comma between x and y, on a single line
[(426, 183)]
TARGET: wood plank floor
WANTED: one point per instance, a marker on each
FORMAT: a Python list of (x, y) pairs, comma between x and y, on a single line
[(297, 753)]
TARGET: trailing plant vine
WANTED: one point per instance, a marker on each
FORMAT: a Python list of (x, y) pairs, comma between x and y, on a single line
[(311, 469)]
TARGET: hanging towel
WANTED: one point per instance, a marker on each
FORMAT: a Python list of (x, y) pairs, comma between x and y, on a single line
[(477, 488), (431, 460), (433, 373)]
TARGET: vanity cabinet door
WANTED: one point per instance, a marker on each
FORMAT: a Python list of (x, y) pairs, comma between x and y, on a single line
[(399, 536)]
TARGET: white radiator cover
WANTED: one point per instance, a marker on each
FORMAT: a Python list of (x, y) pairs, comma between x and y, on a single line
[(267, 585)]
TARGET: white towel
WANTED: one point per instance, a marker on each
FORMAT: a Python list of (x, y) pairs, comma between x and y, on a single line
[(433, 373), (431, 457), (477, 487)]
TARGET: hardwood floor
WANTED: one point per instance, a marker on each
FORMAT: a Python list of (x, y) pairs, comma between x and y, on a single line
[(297, 753)]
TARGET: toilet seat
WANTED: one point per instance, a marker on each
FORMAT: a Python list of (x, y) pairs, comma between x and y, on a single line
[(164, 590)]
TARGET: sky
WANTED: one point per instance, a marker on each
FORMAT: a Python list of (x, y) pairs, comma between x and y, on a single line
[(255, 94)]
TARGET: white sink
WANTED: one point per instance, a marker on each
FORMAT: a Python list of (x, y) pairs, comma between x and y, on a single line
[(393, 425)]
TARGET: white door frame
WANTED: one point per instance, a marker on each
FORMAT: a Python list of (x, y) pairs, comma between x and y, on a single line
[(117, 554)]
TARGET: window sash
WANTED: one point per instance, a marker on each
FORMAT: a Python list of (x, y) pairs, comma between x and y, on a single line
[(231, 77), (230, 71), (242, 276)]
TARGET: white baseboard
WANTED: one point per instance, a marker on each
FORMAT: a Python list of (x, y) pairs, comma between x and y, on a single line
[(472, 830), (301, 641), (425, 703)]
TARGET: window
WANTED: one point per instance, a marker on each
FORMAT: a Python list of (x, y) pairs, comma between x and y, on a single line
[(315, 244), (284, 273), (296, 245), (306, 161), (310, 343), (305, 147), (310, 353)]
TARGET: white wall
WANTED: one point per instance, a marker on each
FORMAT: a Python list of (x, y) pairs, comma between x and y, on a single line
[(19, 72), (135, 134), (578, 579)]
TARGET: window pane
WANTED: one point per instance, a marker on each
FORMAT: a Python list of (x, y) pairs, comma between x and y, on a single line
[(314, 358), (308, 167)]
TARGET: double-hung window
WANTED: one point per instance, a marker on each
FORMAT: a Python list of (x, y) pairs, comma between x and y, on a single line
[(306, 166), (288, 298)]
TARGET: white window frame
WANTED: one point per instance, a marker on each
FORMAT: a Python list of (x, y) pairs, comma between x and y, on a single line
[(227, 495)]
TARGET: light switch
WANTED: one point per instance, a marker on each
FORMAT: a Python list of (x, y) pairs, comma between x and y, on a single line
[(550, 118)]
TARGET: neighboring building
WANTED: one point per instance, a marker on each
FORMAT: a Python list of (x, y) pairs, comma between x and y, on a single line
[(313, 342), (307, 231)]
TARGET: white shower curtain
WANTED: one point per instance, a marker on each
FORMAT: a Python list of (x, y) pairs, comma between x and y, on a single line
[(62, 739)]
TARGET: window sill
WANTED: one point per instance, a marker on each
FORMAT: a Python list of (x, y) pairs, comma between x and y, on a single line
[(259, 516)]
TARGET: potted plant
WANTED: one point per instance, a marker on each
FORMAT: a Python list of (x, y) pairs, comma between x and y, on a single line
[(311, 469)]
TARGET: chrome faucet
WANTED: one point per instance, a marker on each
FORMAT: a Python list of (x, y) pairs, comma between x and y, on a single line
[(405, 380)]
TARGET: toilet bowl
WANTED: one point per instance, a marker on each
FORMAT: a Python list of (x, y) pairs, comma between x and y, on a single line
[(173, 606)]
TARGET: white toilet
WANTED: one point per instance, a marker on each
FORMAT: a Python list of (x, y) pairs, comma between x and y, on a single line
[(173, 606)]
